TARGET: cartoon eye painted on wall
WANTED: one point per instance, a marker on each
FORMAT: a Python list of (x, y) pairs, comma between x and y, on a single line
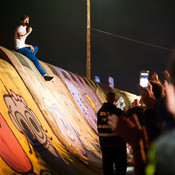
[(24, 126), (36, 127), (30, 127)]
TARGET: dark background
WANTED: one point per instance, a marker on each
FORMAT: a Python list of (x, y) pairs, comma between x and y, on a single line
[(59, 29)]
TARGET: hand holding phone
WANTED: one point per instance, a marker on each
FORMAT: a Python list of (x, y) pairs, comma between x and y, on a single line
[(144, 78)]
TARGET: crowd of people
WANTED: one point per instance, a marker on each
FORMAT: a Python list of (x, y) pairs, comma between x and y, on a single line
[(148, 126)]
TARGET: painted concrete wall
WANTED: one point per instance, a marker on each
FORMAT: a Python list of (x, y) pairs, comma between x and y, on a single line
[(48, 127)]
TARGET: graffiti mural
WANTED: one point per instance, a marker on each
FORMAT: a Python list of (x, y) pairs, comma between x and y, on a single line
[(28, 124), (70, 124), (49, 128), (80, 100), (65, 127), (87, 92)]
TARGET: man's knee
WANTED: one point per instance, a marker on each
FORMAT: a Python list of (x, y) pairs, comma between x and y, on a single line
[(31, 57)]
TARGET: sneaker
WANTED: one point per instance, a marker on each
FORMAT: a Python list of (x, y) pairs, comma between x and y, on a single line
[(47, 77)]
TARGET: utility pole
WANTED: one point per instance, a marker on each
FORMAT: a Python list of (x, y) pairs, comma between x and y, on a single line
[(88, 54)]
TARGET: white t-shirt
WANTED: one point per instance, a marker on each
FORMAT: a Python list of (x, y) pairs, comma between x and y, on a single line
[(20, 43)]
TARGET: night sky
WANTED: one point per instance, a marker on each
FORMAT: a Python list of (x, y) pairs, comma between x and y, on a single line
[(59, 29)]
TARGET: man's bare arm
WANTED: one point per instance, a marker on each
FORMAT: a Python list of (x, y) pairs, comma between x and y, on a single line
[(21, 36), (31, 47)]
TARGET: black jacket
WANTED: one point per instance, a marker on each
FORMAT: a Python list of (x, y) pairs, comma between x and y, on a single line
[(106, 136)]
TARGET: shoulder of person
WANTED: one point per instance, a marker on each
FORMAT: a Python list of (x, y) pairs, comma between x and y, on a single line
[(20, 28), (104, 107), (100, 110), (118, 111)]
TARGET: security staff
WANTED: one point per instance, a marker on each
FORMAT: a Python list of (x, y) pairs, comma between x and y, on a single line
[(113, 147)]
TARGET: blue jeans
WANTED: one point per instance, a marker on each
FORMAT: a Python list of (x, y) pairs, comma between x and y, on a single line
[(28, 53)]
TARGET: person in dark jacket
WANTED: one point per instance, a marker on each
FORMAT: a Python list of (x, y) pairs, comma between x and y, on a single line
[(113, 147)]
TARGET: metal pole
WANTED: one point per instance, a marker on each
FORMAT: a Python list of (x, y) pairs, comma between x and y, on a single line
[(88, 59)]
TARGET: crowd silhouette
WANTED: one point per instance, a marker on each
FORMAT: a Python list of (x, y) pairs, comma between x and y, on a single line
[(148, 126)]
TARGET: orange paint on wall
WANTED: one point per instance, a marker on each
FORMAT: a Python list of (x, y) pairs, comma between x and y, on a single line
[(11, 151)]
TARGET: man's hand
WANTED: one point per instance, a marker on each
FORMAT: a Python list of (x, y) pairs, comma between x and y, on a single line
[(29, 29), (155, 77), (166, 75), (170, 98), (147, 96), (31, 47)]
